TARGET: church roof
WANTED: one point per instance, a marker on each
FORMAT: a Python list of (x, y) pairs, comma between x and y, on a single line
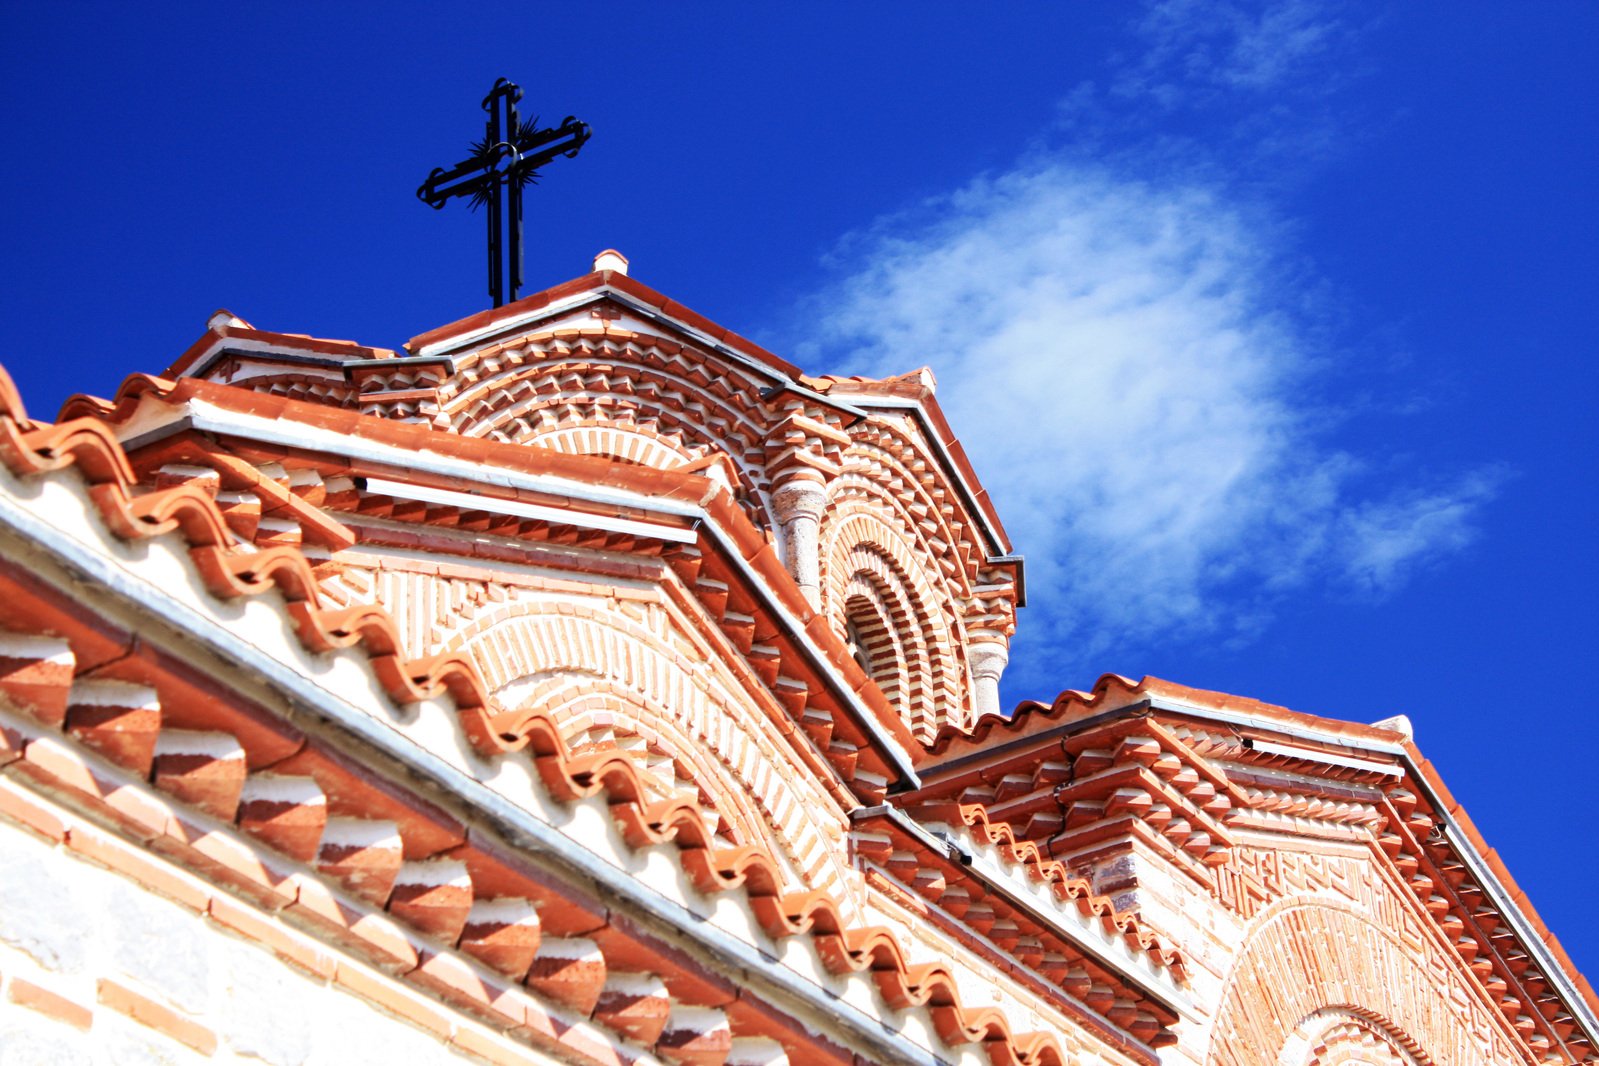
[(472, 336), (274, 639), (84, 443)]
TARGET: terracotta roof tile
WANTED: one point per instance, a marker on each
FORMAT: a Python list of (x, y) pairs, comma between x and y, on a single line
[(86, 443)]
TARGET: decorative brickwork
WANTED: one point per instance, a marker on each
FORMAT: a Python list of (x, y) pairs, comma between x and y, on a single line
[(590, 685), (914, 638), (590, 671), (1300, 960)]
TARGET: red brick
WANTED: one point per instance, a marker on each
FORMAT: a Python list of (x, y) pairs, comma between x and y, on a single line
[(571, 972), (211, 780), (503, 934), (433, 896), (20, 805), (162, 1019), (10, 745), (245, 867), (580, 1040), (134, 863), (36, 680), (371, 935), (498, 1052), (286, 944), (55, 762), (454, 981), (288, 813), (386, 940), (50, 1004), (142, 812), (125, 735), (386, 995)]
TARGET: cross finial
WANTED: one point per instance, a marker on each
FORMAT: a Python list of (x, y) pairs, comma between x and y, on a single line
[(505, 160)]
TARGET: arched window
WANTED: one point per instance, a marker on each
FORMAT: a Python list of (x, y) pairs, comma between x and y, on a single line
[(871, 638), (856, 641)]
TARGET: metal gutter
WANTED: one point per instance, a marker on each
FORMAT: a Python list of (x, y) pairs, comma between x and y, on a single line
[(518, 509), (1363, 765), (999, 752), (208, 418)]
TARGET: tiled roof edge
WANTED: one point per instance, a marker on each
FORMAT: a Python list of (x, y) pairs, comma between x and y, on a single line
[(87, 444)]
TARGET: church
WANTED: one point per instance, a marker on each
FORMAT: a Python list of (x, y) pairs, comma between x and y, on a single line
[(584, 684)]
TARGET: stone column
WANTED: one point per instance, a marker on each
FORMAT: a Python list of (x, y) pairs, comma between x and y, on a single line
[(988, 655), (797, 506)]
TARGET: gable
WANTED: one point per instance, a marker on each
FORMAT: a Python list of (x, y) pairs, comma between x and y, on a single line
[(1321, 893), (858, 484)]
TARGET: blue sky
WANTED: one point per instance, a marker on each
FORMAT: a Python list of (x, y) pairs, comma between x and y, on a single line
[(1271, 326)]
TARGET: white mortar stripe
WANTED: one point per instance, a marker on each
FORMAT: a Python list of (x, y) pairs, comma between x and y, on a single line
[(516, 508), (38, 649), (113, 694), (192, 742), (279, 788), (435, 872)]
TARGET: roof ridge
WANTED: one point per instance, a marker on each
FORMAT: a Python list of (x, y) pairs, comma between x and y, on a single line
[(1029, 710)]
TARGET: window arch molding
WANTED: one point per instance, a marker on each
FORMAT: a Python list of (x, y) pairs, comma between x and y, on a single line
[(871, 577)]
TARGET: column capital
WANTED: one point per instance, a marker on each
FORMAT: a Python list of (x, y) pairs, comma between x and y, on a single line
[(987, 655), (800, 495)]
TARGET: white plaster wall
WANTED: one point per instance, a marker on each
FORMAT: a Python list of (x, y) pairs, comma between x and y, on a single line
[(65, 923)]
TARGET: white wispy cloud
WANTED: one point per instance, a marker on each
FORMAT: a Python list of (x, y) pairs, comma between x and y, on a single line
[(1207, 44), (1134, 358)]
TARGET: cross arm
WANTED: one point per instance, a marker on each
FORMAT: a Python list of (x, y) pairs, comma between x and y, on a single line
[(463, 179), (537, 149)]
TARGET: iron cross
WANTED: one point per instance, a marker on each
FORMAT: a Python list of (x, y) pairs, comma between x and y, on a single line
[(505, 160)]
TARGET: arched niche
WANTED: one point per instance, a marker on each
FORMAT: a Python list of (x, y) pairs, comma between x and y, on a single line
[(587, 668), (547, 391), (1307, 960), (876, 589), (1340, 1037), (627, 444)]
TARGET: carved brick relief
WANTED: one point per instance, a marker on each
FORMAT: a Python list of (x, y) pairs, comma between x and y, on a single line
[(633, 683), (1302, 959)]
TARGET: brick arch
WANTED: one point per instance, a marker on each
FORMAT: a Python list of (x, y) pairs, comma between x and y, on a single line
[(864, 557), (895, 500), (1335, 1037), (522, 646), (919, 528), (580, 704), (633, 444), (1308, 958), (523, 393), (898, 463), (869, 611)]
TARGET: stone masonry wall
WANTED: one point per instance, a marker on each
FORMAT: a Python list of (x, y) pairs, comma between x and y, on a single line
[(95, 968)]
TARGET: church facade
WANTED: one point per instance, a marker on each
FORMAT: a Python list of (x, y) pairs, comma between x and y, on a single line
[(585, 684)]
